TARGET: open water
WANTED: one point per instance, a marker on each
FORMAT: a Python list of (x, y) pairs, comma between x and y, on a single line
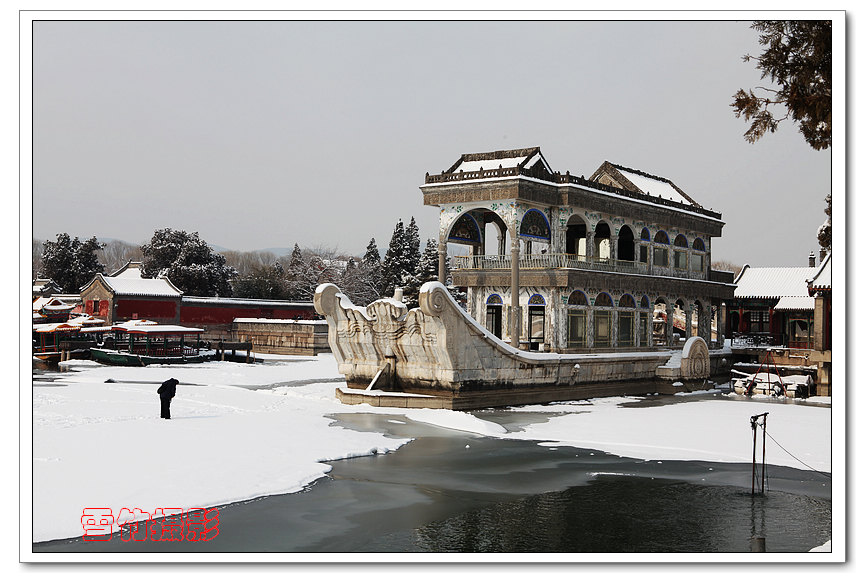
[(448, 491)]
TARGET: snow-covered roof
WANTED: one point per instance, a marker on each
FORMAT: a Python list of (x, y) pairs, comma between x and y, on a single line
[(132, 269), (85, 319), (55, 327), (128, 285), (822, 280), (51, 304), (773, 282), (524, 158), (797, 303), (158, 329), (142, 287), (652, 186)]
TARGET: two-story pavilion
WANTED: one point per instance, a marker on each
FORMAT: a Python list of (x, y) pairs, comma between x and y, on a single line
[(568, 264)]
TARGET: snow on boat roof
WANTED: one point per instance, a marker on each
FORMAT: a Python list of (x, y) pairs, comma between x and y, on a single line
[(158, 329), (647, 185), (55, 327), (773, 282)]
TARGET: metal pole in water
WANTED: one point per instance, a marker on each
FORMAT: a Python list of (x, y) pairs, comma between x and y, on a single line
[(753, 452), (763, 476), (754, 424)]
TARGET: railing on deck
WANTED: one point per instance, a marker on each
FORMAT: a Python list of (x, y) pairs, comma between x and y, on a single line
[(568, 261)]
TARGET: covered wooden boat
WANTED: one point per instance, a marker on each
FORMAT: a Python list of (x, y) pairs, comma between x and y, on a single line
[(140, 344)]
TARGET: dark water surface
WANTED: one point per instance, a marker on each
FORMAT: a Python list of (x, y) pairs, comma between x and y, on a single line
[(449, 491)]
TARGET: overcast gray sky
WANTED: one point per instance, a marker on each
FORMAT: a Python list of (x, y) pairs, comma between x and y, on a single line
[(263, 134)]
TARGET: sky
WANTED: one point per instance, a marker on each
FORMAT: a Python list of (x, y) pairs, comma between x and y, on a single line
[(262, 134)]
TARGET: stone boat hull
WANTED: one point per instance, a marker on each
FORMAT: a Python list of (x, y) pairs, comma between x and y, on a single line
[(438, 351)]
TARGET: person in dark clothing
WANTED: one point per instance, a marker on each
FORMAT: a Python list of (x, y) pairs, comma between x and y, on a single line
[(166, 392)]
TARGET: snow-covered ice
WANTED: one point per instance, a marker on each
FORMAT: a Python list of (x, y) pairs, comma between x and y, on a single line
[(239, 431)]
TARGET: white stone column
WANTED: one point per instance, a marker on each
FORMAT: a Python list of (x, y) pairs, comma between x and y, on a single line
[(443, 252), (515, 319)]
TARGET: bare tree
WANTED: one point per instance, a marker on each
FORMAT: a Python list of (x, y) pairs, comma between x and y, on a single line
[(117, 253), (724, 265)]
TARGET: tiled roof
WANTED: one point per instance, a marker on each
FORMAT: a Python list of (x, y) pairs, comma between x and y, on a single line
[(523, 157), (773, 282), (128, 286), (797, 303)]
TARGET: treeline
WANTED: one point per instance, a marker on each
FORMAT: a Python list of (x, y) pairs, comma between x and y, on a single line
[(191, 264)]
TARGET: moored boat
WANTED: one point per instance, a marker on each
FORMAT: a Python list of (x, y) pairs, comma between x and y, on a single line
[(143, 343)]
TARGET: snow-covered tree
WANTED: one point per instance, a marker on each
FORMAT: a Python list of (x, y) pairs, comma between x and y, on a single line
[(71, 263), (824, 233), (412, 257), (394, 260), (264, 282), (188, 261), (428, 267), (798, 58)]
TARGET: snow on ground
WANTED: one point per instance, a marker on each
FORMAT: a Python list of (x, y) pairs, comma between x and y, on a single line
[(102, 444), (709, 430)]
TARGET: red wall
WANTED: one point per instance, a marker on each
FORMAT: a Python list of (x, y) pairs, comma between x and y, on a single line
[(127, 309), (216, 314)]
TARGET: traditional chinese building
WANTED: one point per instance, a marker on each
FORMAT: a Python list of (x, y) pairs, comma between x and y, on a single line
[(772, 306), (820, 287), (558, 262), (127, 295)]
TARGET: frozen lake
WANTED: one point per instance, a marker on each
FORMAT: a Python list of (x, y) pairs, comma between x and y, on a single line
[(293, 470)]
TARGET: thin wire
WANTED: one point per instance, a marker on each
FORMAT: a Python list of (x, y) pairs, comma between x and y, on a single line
[(797, 459)]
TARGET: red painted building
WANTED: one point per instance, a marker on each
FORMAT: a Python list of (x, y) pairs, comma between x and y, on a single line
[(126, 295)]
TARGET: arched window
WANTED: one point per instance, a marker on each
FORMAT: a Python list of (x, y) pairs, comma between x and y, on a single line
[(536, 321), (578, 298), (627, 301), (699, 245), (644, 235), (577, 305), (626, 321), (625, 250), (602, 241), (604, 300), (680, 253), (535, 225), (603, 321), (644, 303), (575, 236), (645, 239), (465, 231), (494, 314), (661, 254)]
